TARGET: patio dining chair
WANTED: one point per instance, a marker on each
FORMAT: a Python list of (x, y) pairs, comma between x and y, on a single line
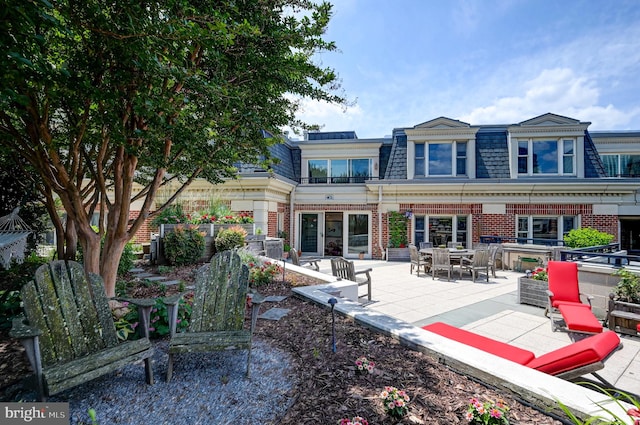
[(495, 253), (441, 260), (479, 262), (418, 261)]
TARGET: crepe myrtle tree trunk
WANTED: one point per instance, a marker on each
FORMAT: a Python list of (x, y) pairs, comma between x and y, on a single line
[(111, 253)]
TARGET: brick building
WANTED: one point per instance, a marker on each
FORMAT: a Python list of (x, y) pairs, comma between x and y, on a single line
[(539, 178)]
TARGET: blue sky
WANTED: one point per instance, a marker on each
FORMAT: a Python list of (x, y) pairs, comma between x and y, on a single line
[(405, 62)]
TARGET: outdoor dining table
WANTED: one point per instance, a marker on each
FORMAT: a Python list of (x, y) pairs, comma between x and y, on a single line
[(454, 253)]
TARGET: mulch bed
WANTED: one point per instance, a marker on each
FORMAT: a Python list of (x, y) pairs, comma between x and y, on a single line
[(329, 388)]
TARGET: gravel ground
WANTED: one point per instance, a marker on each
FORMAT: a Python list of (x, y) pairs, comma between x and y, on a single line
[(208, 388)]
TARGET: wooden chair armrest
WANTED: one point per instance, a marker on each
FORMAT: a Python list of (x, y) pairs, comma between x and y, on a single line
[(172, 302), (145, 305), (257, 298), (174, 299), (588, 297), (29, 337), (366, 271), (256, 301), (21, 330)]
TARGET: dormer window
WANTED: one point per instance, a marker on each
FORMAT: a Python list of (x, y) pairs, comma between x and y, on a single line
[(549, 157), (340, 170), (441, 159)]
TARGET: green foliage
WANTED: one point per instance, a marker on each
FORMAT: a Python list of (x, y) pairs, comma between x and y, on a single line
[(158, 323), (126, 259), (247, 256), (617, 397), (263, 273), (230, 238), (397, 229), (586, 237), (173, 214), (628, 288), (157, 92), (11, 281), (185, 245), (165, 269)]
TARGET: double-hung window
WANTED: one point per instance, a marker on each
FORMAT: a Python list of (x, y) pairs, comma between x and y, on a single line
[(547, 157), (540, 228), (441, 159)]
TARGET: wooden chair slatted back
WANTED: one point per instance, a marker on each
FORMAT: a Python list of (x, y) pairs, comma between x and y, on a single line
[(295, 260), (481, 258), (440, 258), (71, 311), (343, 269), (414, 254), (220, 294)]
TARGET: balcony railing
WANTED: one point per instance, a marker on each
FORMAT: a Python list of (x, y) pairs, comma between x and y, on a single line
[(336, 180), (536, 241)]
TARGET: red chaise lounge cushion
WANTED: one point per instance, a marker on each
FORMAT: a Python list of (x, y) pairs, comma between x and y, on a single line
[(591, 350), (580, 318), (497, 348)]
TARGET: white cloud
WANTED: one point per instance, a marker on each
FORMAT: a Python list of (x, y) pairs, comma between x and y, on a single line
[(559, 91)]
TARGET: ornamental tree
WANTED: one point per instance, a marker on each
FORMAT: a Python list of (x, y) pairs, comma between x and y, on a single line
[(109, 101)]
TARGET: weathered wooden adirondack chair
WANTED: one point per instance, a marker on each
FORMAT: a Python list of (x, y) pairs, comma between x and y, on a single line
[(68, 331), (217, 316)]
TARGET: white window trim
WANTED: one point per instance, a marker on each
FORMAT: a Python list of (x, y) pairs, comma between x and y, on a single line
[(411, 153), (559, 218), (559, 159)]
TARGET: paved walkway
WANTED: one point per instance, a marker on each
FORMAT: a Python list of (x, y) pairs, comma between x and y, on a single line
[(489, 309)]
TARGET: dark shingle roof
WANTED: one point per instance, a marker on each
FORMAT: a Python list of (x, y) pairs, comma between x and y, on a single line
[(397, 166), (492, 153), (593, 166)]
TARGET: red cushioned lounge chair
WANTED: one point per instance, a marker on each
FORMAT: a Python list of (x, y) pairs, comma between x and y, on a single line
[(565, 300), (569, 362)]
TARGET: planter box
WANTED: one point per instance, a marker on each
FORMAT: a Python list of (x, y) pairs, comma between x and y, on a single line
[(398, 254), (533, 292), (623, 317)]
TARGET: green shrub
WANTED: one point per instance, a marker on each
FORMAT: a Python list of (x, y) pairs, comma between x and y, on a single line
[(263, 273), (185, 245), (585, 237), (230, 238), (628, 288), (173, 214), (127, 259)]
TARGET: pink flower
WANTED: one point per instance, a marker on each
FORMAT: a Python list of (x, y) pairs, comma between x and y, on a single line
[(495, 413), (469, 416)]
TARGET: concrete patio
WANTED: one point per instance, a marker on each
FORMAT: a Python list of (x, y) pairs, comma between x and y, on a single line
[(489, 309)]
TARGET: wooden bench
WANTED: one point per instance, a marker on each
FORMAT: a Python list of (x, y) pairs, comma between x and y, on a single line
[(310, 262), (345, 269), (68, 332)]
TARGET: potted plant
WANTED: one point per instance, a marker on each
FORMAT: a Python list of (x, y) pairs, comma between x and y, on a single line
[(361, 255), (397, 247), (286, 249), (623, 313), (532, 288)]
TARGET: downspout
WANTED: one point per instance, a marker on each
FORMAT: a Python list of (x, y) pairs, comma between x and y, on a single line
[(380, 219), (292, 196)]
